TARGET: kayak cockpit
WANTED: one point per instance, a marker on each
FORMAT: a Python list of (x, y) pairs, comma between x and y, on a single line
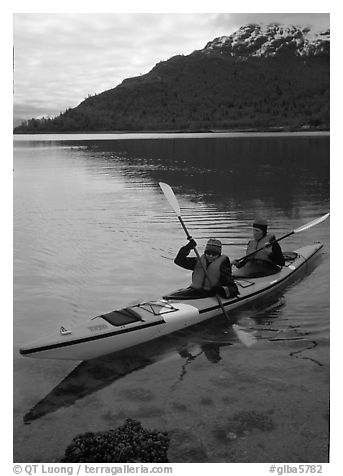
[(257, 268)]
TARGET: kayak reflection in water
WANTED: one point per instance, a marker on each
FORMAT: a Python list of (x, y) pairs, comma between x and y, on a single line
[(218, 269), (211, 351), (268, 260)]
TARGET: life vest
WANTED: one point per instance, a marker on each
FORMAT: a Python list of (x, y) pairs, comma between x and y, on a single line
[(199, 278), (265, 253)]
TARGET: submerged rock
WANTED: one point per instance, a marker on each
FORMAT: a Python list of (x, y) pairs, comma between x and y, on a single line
[(129, 443)]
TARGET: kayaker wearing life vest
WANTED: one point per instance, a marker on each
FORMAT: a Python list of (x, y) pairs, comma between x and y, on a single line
[(218, 267), (268, 260)]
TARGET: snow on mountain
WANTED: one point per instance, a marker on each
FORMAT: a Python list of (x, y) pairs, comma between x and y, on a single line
[(271, 40)]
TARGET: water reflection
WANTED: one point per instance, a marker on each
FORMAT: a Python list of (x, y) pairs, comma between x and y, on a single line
[(276, 171), (93, 375), (280, 172)]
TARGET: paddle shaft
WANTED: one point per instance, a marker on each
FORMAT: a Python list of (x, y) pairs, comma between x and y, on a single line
[(269, 244), (203, 267)]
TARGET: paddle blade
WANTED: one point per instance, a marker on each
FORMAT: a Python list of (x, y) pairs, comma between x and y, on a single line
[(169, 194), (312, 223), (246, 338)]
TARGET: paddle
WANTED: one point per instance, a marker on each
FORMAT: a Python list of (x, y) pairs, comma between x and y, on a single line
[(244, 337), (297, 230)]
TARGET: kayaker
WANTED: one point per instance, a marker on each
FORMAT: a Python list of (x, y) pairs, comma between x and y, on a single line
[(268, 260), (218, 267)]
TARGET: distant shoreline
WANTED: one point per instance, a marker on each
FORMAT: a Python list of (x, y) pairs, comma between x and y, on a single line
[(272, 130)]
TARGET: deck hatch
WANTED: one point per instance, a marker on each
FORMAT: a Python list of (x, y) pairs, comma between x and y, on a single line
[(157, 307), (122, 317)]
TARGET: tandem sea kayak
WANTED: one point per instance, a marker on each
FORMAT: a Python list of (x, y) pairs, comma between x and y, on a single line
[(133, 325)]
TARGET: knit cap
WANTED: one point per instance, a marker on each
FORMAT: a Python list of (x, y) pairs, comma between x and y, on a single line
[(261, 224), (214, 245)]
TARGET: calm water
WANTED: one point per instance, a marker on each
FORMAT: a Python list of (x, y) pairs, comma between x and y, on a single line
[(93, 232)]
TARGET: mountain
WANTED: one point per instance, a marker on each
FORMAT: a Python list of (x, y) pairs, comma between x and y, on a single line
[(271, 41), (259, 77)]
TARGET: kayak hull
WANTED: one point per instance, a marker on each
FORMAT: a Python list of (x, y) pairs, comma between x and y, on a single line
[(146, 321), (98, 337)]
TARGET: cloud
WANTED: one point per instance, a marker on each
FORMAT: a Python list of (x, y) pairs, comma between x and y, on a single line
[(318, 21), (84, 54)]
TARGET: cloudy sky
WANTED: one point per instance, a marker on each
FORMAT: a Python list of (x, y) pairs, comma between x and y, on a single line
[(61, 58)]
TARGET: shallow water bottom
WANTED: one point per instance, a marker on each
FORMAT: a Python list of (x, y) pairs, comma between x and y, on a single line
[(243, 409)]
